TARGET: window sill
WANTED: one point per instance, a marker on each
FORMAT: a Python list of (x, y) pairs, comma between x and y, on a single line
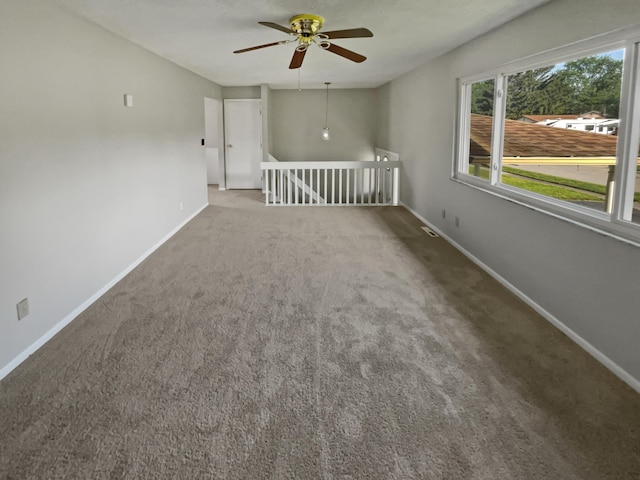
[(598, 222)]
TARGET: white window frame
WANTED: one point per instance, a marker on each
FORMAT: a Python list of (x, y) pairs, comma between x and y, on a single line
[(612, 224)]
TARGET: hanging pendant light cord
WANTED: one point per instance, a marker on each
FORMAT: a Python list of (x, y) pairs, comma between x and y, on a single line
[(326, 113)]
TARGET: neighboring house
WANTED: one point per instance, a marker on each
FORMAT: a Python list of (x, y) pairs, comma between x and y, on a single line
[(605, 126), (545, 118), (586, 122)]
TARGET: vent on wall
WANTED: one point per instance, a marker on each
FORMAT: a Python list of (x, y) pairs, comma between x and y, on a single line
[(430, 232)]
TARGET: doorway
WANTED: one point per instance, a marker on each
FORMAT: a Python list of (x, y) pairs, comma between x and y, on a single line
[(243, 143)]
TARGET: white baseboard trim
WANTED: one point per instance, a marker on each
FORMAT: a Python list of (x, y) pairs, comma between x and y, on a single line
[(593, 351), (67, 319)]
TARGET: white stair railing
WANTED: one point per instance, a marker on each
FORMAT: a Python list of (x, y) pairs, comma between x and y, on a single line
[(331, 183), (295, 183)]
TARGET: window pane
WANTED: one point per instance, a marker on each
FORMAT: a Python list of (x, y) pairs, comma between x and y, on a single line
[(560, 133), (636, 199), (635, 218), (481, 128)]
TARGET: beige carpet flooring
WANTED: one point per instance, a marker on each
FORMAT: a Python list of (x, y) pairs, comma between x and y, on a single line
[(313, 343)]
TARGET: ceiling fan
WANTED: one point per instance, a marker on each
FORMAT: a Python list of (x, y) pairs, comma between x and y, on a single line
[(305, 28)]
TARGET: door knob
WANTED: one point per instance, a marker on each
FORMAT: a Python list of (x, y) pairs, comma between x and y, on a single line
[(230, 146)]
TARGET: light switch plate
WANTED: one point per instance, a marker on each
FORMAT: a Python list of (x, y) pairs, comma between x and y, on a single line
[(23, 308)]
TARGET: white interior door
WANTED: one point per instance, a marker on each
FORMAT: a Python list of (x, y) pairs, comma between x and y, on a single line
[(243, 143)]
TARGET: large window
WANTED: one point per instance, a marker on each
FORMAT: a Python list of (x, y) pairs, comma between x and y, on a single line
[(541, 153), (560, 132)]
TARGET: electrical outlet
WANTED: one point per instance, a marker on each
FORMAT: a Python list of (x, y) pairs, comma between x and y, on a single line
[(444, 213), (457, 221), (181, 206), (23, 308)]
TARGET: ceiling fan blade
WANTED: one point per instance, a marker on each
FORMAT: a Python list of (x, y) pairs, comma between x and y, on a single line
[(261, 46), (276, 26), (351, 33), (298, 57), (343, 52)]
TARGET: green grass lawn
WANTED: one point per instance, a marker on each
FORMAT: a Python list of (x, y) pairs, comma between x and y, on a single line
[(554, 191), (549, 190), (568, 182)]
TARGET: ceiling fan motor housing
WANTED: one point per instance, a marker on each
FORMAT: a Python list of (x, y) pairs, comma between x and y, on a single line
[(306, 26)]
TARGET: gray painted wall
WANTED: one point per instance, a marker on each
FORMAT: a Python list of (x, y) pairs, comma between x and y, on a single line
[(240, 92), (267, 137), (297, 120), (87, 186), (587, 281)]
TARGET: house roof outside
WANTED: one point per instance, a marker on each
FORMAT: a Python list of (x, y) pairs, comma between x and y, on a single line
[(522, 139)]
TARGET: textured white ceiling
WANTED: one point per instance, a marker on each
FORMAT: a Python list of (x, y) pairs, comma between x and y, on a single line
[(201, 35)]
